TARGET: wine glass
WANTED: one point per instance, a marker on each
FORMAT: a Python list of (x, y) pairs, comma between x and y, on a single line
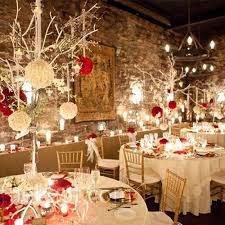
[(27, 169), (95, 175), (82, 211)]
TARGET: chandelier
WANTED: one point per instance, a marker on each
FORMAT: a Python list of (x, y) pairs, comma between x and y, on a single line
[(191, 56)]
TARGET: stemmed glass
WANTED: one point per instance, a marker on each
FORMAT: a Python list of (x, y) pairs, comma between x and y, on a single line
[(95, 175)]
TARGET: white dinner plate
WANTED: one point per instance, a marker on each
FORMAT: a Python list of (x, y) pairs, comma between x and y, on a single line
[(125, 214), (116, 195)]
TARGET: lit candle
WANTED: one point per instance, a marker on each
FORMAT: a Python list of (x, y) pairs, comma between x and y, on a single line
[(12, 147), (46, 205), (2, 147), (120, 131), (173, 120), (61, 124), (112, 133), (64, 209), (67, 141), (76, 138), (48, 136), (18, 221), (157, 122), (50, 182)]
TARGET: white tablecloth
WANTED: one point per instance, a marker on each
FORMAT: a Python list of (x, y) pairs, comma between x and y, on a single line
[(198, 172), (216, 138), (100, 209)]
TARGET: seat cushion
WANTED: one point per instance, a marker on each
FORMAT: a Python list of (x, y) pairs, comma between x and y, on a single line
[(150, 177), (158, 218), (108, 163), (219, 177)]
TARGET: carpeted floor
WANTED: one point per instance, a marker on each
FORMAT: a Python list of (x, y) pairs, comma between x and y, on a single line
[(216, 217)]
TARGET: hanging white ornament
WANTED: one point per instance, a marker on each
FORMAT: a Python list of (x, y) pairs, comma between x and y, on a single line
[(39, 74), (19, 121), (68, 110)]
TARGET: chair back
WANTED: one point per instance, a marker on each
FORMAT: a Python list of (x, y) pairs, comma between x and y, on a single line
[(123, 139), (68, 160), (172, 194), (134, 162), (99, 144)]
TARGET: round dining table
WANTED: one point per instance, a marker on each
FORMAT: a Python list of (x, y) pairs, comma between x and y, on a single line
[(197, 171), (102, 212), (215, 138)]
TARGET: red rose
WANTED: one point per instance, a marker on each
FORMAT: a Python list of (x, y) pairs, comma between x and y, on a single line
[(182, 139), (130, 130), (86, 67), (11, 209), (172, 105), (5, 200), (157, 111), (61, 184), (215, 126), (205, 105), (92, 135), (12, 220), (163, 141)]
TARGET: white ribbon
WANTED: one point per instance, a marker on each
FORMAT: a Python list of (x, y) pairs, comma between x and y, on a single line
[(92, 149), (132, 137)]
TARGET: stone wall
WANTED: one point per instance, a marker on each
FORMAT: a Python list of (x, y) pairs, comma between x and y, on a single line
[(137, 42)]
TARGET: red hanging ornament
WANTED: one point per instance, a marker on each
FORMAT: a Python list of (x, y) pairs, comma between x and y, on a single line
[(86, 66), (157, 111), (172, 105)]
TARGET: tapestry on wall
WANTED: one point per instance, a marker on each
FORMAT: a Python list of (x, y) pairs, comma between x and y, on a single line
[(95, 93)]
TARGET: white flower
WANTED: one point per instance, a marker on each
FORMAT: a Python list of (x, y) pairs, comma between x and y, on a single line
[(39, 74), (68, 110), (19, 121)]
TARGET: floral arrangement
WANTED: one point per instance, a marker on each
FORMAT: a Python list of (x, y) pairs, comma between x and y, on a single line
[(131, 130), (68, 110), (157, 111), (86, 66), (92, 136), (172, 105), (163, 141)]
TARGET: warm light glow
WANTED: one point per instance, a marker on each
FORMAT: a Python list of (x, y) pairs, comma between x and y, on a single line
[(221, 97), (61, 124), (76, 138), (204, 66), (211, 68), (212, 44), (64, 209), (137, 93), (28, 92), (167, 48), (18, 221), (189, 40), (48, 137), (186, 69), (194, 70)]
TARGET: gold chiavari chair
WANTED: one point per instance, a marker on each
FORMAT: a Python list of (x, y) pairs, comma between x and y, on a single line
[(137, 177), (171, 200), (218, 184), (68, 160), (107, 167)]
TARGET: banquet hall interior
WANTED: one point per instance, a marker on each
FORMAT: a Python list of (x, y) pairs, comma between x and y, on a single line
[(112, 112)]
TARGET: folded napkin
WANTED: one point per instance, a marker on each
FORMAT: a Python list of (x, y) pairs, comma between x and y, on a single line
[(181, 152)]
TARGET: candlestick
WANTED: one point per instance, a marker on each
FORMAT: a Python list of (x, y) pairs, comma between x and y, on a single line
[(61, 124), (180, 119), (2, 147), (76, 138), (48, 136)]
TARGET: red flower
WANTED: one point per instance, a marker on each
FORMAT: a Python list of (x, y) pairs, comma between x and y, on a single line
[(61, 184), (11, 209), (157, 111), (172, 105), (131, 130), (92, 135), (205, 105), (12, 220), (163, 141), (86, 67), (9, 100), (182, 139), (211, 101), (215, 126), (138, 144), (5, 200)]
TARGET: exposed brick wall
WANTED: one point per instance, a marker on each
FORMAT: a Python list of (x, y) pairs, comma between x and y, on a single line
[(137, 42)]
